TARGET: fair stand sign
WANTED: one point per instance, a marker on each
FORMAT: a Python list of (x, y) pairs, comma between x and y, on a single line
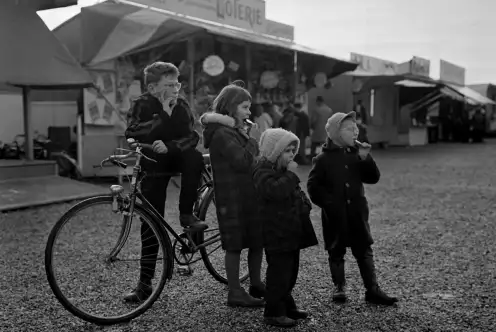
[(245, 14), (451, 73)]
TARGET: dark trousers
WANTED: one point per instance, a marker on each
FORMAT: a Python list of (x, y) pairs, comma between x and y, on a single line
[(365, 260), (190, 164), (282, 272)]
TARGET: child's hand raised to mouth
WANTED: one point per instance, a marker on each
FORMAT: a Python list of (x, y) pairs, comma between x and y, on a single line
[(363, 149)]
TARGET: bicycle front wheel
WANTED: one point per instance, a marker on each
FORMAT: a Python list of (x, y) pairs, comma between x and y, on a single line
[(213, 255), (95, 254)]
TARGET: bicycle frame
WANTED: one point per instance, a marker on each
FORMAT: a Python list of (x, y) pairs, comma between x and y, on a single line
[(136, 179)]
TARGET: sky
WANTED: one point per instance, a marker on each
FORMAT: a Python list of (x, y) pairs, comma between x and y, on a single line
[(458, 31)]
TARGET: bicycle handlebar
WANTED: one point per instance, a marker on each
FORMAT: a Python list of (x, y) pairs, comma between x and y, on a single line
[(136, 146)]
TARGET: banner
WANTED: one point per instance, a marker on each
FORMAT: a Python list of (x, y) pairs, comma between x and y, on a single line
[(452, 73)]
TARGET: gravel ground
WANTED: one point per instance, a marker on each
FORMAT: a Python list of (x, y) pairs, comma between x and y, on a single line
[(432, 217)]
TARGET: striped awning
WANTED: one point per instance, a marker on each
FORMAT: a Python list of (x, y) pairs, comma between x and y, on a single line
[(111, 30), (37, 5)]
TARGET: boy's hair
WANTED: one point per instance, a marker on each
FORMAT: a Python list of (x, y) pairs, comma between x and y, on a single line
[(229, 98), (154, 72)]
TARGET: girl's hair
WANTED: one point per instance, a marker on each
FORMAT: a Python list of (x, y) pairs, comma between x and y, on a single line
[(229, 98)]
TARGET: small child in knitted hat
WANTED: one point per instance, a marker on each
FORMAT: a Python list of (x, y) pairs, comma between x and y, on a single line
[(335, 184), (285, 212)]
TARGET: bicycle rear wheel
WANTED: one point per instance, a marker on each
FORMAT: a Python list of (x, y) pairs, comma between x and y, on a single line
[(79, 286), (213, 254)]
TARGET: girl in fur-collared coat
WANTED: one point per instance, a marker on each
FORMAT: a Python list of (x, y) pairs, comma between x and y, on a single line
[(285, 212), (232, 153)]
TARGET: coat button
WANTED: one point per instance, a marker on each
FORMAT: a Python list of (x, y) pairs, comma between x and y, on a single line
[(346, 166), (347, 185), (348, 201)]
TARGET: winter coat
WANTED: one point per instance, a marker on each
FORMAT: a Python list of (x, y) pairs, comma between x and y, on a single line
[(147, 122), (284, 209), (232, 154), (335, 184)]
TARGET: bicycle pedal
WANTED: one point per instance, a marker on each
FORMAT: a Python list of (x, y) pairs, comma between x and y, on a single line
[(185, 270)]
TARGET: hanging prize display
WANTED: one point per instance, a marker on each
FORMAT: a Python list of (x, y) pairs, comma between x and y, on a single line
[(320, 80), (269, 79), (213, 65)]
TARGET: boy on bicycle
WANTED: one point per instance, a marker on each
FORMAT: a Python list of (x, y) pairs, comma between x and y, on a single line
[(162, 118)]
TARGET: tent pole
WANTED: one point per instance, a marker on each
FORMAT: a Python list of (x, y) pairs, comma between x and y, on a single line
[(295, 74), (191, 63), (80, 129), (248, 67), (28, 123)]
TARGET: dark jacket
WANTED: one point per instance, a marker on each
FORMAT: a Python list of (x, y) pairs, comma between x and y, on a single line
[(335, 184), (148, 122), (284, 209), (232, 154)]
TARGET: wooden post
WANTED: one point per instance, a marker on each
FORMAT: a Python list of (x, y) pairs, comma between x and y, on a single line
[(295, 74), (191, 64), (28, 125), (248, 67), (80, 129)]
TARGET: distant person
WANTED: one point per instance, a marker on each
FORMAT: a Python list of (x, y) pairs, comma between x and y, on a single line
[(318, 121), (478, 124), (274, 113), (362, 130), (302, 132), (362, 111)]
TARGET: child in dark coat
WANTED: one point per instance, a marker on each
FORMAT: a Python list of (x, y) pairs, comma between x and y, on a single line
[(335, 184), (285, 212)]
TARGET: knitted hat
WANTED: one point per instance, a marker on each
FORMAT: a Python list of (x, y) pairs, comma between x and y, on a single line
[(334, 124), (273, 142)]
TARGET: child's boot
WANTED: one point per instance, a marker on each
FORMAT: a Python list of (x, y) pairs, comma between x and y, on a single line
[(257, 292), (373, 294), (281, 321), (339, 294), (377, 296), (292, 310), (240, 298), (338, 279), (142, 292)]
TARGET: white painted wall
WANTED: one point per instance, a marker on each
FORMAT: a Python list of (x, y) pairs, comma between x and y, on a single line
[(11, 119), (45, 114)]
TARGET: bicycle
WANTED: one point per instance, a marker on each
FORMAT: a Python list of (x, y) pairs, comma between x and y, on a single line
[(183, 249)]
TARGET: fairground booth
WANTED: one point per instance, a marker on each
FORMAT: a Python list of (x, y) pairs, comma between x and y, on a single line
[(488, 90), (32, 60), (211, 42), (403, 104)]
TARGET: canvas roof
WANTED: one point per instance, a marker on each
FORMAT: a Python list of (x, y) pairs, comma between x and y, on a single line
[(32, 56), (111, 30)]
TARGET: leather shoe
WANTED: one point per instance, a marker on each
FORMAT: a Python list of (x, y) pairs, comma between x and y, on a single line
[(297, 314)]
